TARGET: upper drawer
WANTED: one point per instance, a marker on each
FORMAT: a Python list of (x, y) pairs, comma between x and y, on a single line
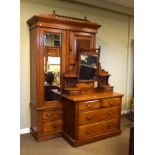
[(50, 114), (98, 115), (111, 102), (89, 105)]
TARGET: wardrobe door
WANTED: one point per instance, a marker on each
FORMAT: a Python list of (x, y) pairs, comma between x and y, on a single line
[(52, 49), (79, 40)]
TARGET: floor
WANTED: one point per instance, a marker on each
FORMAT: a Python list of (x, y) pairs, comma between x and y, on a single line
[(112, 146)]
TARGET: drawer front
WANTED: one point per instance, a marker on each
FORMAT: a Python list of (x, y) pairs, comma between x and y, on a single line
[(98, 115), (97, 129), (89, 105), (50, 114), (111, 102), (52, 126)]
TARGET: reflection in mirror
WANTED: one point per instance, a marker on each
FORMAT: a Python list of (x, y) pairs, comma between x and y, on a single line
[(88, 66), (52, 49)]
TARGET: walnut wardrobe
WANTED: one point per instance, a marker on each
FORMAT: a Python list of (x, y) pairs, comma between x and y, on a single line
[(69, 92)]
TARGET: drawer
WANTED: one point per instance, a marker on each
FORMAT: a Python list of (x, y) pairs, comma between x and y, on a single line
[(111, 102), (89, 105), (52, 126), (50, 114), (98, 115), (98, 129)]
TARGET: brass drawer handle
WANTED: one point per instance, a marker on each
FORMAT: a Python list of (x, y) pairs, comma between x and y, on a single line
[(89, 117), (89, 105), (55, 125), (110, 126), (88, 132), (111, 102), (48, 115), (110, 114)]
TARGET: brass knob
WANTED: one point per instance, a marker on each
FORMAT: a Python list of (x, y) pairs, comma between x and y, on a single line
[(89, 117), (55, 125), (110, 126), (89, 105), (48, 115), (111, 103), (110, 114), (88, 132)]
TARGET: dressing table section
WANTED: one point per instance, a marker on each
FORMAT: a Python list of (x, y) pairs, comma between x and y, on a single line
[(70, 95)]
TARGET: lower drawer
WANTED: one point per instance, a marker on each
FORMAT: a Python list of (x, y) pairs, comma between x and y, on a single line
[(52, 126), (98, 128)]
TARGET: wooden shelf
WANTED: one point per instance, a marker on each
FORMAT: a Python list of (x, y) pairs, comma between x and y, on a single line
[(73, 88)]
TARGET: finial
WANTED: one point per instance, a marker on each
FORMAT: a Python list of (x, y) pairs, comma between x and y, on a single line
[(52, 14), (85, 18)]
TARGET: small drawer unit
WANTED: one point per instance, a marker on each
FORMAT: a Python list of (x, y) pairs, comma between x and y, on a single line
[(52, 121)]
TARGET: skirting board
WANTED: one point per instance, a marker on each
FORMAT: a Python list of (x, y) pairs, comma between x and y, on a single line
[(124, 112), (24, 131)]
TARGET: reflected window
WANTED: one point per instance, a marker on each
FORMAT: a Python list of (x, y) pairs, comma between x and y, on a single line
[(88, 67)]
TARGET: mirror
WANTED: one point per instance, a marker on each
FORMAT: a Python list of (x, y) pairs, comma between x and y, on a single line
[(52, 66), (88, 66)]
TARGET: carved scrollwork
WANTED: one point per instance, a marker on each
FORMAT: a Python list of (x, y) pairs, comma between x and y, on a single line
[(102, 72)]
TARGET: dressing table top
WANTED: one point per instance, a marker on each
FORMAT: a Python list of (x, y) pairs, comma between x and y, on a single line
[(96, 94)]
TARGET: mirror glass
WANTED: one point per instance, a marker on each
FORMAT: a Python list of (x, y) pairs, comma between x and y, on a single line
[(52, 66), (88, 66)]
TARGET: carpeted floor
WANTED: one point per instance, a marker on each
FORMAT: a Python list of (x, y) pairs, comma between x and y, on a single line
[(112, 146)]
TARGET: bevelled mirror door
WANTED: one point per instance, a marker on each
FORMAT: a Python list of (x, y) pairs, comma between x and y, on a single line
[(88, 66), (52, 66)]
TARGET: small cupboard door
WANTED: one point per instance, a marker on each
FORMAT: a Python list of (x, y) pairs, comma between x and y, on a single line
[(79, 40)]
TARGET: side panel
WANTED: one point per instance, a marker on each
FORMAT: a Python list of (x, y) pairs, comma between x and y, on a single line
[(69, 118), (33, 65)]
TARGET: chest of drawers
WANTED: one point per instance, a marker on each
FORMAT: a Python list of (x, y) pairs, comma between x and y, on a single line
[(91, 118), (48, 123)]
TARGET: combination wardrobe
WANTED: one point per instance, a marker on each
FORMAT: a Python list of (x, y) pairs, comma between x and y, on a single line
[(70, 94)]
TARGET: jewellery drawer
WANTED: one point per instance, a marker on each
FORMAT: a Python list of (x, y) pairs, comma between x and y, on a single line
[(111, 102), (97, 128), (89, 105), (52, 126), (98, 115), (50, 114)]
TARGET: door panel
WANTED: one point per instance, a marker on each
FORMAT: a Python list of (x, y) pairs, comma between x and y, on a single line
[(79, 40)]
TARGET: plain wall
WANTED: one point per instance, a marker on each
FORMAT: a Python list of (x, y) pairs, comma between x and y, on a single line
[(114, 36)]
